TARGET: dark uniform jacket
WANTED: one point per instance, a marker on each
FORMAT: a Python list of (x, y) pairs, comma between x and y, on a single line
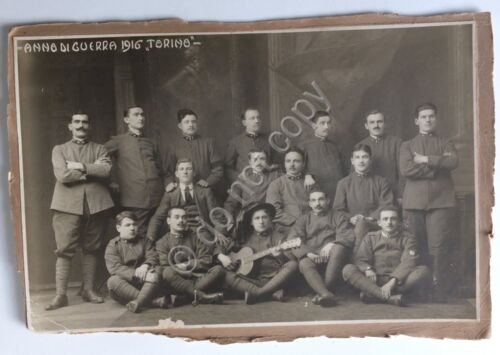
[(385, 160), (395, 256), (324, 163), (174, 250), (316, 231), (237, 150), (137, 170), (290, 199), (124, 256), (248, 189), (203, 198), (73, 186), (202, 152), (428, 186), (362, 194)]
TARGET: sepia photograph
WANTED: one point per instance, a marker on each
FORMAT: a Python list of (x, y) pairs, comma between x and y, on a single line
[(327, 176)]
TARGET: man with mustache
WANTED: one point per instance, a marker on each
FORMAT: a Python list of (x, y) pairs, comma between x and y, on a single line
[(361, 193), (324, 161), (427, 161), (287, 193), (80, 203), (251, 185), (200, 150), (385, 151), (137, 173), (327, 239), (186, 261), (238, 148)]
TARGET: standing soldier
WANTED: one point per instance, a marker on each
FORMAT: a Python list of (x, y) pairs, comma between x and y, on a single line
[(239, 147), (200, 150), (80, 202), (429, 195), (137, 173), (385, 151), (324, 162)]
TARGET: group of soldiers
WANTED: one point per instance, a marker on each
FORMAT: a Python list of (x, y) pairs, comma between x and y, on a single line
[(305, 211)]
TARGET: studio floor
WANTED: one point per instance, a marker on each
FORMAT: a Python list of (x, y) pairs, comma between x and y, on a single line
[(80, 315)]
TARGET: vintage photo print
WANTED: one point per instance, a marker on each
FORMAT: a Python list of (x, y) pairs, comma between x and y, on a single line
[(233, 181)]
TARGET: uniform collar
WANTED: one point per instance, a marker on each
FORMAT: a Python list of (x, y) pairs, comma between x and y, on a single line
[(80, 141), (128, 241), (321, 214), (385, 235), (430, 134), (361, 175), (135, 135), (377, 139), (252, 135), (321, 138), (178, 236)]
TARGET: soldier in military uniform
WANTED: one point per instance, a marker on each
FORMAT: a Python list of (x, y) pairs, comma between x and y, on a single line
[(138, 174), (131, 262), (186, 261), (270, 273), (80, 203), (327, 241), (427, 161), (387, 263)]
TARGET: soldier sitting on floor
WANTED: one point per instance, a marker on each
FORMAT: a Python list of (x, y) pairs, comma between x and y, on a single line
[(186, 259), (387, 262), (269, 273), (131, 262), (327, 241)]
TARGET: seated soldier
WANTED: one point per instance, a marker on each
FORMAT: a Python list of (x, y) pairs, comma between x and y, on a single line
[(269, 273), (327, 240), (387, 262), (288, 193), (361, 193), (197, 201), (186, 260), (131, 262), (251, 185)]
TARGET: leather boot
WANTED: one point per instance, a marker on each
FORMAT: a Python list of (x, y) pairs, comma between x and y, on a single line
[(309, 269), (144, 297), (89, 264), (207, 298), (63, 268), (356, 278)]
